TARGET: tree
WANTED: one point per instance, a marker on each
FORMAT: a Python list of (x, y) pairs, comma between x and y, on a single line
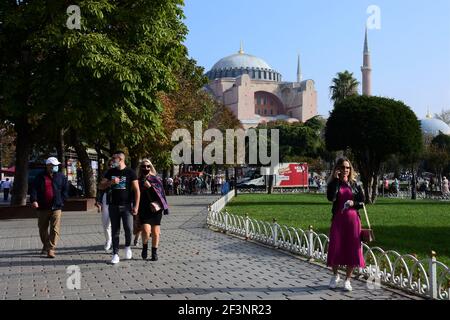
[(101, 82), (444, 116), (437, 155), (373, 128), (344, 85)]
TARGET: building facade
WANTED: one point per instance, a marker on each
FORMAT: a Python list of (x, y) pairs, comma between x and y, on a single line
[(256, 94)]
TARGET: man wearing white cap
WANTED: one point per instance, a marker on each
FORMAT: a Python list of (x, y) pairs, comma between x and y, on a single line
[(48, 193)]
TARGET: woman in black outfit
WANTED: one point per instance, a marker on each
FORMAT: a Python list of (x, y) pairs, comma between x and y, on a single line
[(152, 206)]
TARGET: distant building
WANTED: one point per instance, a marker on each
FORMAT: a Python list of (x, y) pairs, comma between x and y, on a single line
[(432, 126), (256, 94)]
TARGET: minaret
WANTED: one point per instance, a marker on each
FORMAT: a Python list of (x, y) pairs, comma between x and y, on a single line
[(366, 70), (299, 70)]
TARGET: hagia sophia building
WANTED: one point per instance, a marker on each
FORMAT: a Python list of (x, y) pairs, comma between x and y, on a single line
[(256, 93)]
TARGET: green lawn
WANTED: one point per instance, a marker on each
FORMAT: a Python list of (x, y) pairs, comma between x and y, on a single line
[(406, 226)]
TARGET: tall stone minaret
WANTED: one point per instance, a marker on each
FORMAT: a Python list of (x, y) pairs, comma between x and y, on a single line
[(299, 70), (366, 70)]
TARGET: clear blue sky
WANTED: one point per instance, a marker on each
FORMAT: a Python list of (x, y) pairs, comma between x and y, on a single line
[(410, 52)]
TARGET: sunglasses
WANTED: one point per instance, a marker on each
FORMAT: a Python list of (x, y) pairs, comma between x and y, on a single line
[(146, 167)]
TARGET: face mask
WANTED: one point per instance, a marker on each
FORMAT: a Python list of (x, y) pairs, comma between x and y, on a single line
[(115, 164), (55, 169)]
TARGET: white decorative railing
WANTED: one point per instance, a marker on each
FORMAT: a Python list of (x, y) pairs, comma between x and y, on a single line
[(427, 278)]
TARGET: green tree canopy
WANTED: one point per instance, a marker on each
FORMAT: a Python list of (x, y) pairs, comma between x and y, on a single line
[(100, 81), (373, 128)]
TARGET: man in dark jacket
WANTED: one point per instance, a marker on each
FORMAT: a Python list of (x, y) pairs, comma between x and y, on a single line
[(48, 193)]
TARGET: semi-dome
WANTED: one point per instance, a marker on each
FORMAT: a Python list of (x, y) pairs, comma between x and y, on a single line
[(241, 63), (433, 126)]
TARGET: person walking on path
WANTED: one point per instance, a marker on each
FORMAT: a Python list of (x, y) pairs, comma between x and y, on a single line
[(6, 189), (48, 193), (445, 189), (345, 234), (124, 184), (151, 208), (102, 203)]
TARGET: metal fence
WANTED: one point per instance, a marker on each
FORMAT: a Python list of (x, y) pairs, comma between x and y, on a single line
[(427, 278), (399, 195)]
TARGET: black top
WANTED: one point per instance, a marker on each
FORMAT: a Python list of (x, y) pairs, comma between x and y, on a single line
[(333, 192), (121, 193), (148, 195)]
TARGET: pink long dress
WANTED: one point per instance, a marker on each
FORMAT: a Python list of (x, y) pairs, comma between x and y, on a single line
[(345, 235)]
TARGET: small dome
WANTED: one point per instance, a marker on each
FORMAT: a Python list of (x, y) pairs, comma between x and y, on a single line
[(434, 126)]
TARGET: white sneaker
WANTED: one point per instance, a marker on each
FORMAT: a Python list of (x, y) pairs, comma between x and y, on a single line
[(115, 259), (128, 253), (347, 286), (334, 281), (107, 246)]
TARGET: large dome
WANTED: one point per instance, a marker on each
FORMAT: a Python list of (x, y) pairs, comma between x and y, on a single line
[(241, 63), (433, 126), (241, 60)]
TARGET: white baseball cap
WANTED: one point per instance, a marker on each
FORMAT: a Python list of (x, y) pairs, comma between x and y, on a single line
[(53, 161)]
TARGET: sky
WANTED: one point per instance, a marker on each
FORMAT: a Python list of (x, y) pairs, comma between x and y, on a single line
[(409, 43)]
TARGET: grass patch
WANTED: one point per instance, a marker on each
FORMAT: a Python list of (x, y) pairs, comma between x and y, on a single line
[(406, 226)]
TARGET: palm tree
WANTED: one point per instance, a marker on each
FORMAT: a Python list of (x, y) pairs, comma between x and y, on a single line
[(344, 85)]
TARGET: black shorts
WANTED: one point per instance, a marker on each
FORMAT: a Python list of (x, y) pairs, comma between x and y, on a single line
[(151, 218)]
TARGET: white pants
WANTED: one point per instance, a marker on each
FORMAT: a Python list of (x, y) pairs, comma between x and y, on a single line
[(105, 220)]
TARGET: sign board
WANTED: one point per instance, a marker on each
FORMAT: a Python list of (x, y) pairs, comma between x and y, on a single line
[(291, 175)]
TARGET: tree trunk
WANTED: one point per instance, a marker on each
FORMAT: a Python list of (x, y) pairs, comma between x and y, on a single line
[(374, 188), (134, 163), (60, 148), (23, 151), (270, 186), (413, 186), (112, 145), (90, 187)]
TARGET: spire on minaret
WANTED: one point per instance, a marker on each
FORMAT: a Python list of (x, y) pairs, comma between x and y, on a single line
[(299, 70), (366, 44), (366, 69), (241, 50), (429, 115)]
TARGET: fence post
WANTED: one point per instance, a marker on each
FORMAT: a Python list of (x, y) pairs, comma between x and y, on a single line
[(226, 222), (433, 276), (275, 233), (310, 243), (247, 227)]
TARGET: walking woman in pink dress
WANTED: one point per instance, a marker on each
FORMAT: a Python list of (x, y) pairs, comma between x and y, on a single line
[(345, 235)]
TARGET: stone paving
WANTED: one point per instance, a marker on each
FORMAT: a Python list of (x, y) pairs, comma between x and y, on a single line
[(195, 263)]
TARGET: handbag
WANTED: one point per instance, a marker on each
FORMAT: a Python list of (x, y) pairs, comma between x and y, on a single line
[(367, 235), (155, 207)]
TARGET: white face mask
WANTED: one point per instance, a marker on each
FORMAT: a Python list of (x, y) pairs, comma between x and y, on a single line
[(115, 164)]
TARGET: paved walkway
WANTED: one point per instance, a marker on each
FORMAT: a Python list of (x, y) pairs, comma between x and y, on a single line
[(195, 263)]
